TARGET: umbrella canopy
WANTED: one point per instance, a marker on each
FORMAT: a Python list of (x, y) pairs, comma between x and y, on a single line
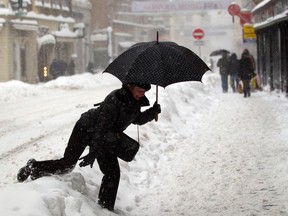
[(219, 52), (158, 63)]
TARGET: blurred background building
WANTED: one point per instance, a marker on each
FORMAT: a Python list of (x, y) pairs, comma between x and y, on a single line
[(35, 32), (270, 20), (44, 39)]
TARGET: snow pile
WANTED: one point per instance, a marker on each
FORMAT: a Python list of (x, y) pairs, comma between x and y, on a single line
[(13, 90), (186, 164)]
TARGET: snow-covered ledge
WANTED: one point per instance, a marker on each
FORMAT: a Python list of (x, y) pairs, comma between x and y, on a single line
[(46, 39), (79, 29), (99, 37), (25, 25), (65, 34)]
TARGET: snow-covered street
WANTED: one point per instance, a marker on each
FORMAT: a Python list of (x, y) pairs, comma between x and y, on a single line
[(209, 154), (236, 164)]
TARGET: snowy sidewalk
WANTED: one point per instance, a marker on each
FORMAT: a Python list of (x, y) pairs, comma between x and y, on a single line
[(236, 165), (210, 154)]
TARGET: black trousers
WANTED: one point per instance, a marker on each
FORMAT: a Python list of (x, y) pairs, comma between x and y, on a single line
[(109, 166), (246, 87), (78, 141)]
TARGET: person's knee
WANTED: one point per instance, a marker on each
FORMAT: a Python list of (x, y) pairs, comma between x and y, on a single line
[(67, 165)]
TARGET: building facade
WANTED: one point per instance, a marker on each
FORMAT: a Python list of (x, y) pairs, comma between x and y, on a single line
[(271, 26), (123, 23), (117, 26), (34, 33), (82, 14)]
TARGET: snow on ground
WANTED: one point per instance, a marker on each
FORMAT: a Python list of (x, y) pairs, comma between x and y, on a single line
[(209, 154)]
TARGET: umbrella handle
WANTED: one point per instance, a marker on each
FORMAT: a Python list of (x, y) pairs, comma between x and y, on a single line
[(156, 115)]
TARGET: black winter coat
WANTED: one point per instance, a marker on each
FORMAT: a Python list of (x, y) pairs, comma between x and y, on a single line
[(223, 65), (246, 68), (115, 114), (233, 66)]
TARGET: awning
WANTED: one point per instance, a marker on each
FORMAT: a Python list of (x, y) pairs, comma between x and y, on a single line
[(46, 39)]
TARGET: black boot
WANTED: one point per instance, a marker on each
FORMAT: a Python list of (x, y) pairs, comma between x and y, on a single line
[(104, 205), (25, 171)]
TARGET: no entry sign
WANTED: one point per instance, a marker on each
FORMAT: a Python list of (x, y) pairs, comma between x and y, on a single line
[(234, 9), (198, 33)]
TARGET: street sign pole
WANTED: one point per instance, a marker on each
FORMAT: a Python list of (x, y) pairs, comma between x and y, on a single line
[(198, 34), (234, 10)]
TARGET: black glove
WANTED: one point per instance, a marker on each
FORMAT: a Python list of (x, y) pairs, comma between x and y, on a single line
[(88, 159), (156, 108)]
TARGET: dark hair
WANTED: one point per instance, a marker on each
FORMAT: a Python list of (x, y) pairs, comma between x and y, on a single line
[(145, 86), (233, 56), (245, 52)]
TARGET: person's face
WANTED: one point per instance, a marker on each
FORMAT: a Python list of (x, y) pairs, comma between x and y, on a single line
[(137, 92)]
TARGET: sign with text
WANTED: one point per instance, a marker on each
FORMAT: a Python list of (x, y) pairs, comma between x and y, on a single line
[(140, 6), (249, 32)]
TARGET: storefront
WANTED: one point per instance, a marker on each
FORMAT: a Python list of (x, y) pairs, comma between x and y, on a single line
[(271, 26), (17, 49), (32, 37)]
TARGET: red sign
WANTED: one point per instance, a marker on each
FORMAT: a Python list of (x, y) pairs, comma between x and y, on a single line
[(234, 9), (198, 34), (245, 17)]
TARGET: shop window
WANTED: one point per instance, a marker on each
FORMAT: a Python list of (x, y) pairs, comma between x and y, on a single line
[(64, 3), (285, 4), (47, 3), (56, 4), (39, 2), (61, 51), (278, 8)]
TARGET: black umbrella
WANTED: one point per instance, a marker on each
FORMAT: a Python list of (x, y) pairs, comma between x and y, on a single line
[(159, 63), (219, 52)]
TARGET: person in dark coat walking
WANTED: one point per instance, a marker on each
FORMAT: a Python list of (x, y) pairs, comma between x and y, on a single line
[(233, 70), (100, 128), (223, 69), (54, 69), (57, 68), (71, 68), (246, 71)]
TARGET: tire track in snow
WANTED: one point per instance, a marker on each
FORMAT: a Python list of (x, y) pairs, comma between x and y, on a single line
[(40, 126), (24, 146)]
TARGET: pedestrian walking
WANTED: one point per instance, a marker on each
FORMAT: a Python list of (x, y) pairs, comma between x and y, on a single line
[(101, 129), (55, 70), (246, 71), (71, 68), (233, 71), (223, 69)]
